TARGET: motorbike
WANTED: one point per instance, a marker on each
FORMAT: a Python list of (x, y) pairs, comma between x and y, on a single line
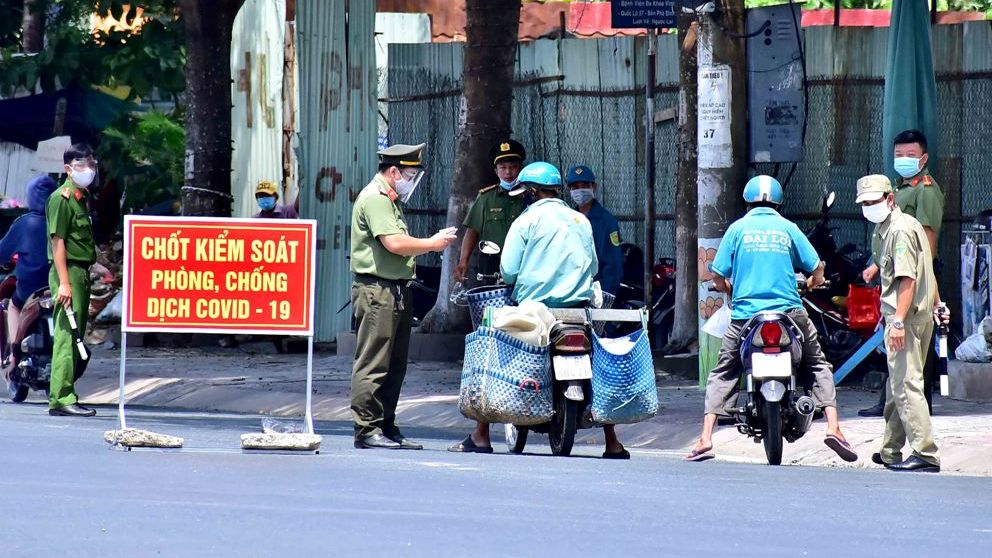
[(27, 360), (571, 372), (774, 406), (843, 265), (631, 295)]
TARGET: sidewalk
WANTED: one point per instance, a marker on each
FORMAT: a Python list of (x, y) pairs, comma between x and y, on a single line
[(254, 380)]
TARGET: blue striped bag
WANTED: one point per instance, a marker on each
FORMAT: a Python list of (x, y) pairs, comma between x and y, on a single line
[(505, 380), (623, 381)]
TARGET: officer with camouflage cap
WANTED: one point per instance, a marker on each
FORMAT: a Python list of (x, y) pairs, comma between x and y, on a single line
[(382, 260), (493, 210), (901, 251)]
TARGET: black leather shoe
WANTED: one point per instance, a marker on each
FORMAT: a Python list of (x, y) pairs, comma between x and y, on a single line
[(376, 441), (876, 458), (876, 411), (915, 464), (406, 443), (74, 410)]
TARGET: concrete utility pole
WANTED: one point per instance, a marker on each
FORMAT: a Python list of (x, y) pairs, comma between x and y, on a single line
[(722, 143)]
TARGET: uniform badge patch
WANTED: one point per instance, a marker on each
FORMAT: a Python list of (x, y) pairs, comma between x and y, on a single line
[(504, 147), (65, 192), (901, 249), (79, 195), (615, 238)]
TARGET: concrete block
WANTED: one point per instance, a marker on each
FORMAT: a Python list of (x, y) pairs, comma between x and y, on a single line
[(434, 347), (970, 381), (296, 442), (135, 438)]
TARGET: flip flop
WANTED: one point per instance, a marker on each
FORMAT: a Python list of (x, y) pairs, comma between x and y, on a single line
[(700, 456), (468, 446), (622, 454), (841, 448)]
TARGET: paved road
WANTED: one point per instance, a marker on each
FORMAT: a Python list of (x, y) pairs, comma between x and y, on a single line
[(63, 492)]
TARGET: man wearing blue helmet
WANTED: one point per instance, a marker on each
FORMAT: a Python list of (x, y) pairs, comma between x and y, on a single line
[(549, 256), (756, 265)]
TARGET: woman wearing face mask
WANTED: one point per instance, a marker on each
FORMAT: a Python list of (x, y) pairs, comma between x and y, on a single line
[(605, 230), (267, 197)]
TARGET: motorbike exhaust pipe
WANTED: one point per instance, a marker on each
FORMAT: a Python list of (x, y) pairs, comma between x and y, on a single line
[(802, 419)]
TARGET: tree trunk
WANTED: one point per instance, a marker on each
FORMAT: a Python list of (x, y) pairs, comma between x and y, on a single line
[(209, 26), (33, 27), (686, 325), (487, 95)]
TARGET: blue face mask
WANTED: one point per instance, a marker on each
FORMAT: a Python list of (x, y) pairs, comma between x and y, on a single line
[(266, 203), (907, 167), (507, 185)]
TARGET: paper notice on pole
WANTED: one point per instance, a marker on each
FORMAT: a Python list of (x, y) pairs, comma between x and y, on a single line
[(715, 147)]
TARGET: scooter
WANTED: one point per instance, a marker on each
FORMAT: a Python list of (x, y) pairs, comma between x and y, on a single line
[(27, 360), (773, 406), (631, 295)]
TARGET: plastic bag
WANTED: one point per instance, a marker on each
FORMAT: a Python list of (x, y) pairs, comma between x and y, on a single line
[(112, 311), (273, 426), (973, 349), (718, 323)]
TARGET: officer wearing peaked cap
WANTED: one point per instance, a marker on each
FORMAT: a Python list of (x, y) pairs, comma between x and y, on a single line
[(382, 261), (493, 210)]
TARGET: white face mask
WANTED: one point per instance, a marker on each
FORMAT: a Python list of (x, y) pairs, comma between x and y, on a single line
[(877, 213), (406, 186), (83, 178)]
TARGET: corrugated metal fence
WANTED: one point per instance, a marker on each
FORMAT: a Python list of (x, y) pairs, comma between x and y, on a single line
[(581, 101)]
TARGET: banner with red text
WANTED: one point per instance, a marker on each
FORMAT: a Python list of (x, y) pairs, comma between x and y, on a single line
[(217, 275)]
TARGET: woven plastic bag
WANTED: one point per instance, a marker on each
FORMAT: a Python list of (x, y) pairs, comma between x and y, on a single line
[(623, 381), (480, 298), (505, 380)]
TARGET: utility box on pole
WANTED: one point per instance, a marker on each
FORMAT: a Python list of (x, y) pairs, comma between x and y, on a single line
[(775, 84)]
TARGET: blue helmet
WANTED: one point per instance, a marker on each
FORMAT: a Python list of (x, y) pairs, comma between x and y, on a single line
[(763, 188), (538, 175)]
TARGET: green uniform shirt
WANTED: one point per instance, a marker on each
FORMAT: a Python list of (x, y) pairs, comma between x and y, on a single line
[(377, 213), (923, 199), (66, 217), (900, 248), (492, 212)]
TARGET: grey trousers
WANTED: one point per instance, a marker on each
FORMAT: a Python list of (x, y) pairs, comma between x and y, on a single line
[(815, 372)]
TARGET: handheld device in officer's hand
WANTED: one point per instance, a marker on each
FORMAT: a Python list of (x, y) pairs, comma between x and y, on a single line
[(76, 337)]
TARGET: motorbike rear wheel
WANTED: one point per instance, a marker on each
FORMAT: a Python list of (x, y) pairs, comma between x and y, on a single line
[(516, 438), (563, 425), (773, 432)]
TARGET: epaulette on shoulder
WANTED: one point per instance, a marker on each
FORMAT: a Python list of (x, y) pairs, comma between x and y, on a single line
[(66, 192), (488, 189)]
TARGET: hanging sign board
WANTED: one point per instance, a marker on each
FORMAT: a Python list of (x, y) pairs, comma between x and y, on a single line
[(216, 275), (642, 14)]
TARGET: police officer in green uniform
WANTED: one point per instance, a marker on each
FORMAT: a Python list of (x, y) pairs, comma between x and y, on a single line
[(919, 196), (493, 210), (901, 251), (382, 260), (71, 252)]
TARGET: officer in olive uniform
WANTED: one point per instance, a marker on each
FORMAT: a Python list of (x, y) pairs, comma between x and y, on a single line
[(71, 252), (382, 260), (493, 210), (901, 251), (919, 196)]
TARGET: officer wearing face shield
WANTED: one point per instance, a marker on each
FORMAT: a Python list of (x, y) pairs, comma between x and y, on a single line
[(382, 260)]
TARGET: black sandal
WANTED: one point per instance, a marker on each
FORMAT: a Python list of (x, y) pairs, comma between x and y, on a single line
[(468, 446), (622, 454)]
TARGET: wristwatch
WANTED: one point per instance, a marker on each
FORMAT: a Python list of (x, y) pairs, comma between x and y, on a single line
[(897, 324)]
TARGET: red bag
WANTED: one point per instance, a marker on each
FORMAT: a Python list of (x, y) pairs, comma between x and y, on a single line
[(863, 307)]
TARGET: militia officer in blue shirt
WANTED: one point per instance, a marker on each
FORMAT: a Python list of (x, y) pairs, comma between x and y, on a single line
[(549, 257), (755, 264), (582, 187)]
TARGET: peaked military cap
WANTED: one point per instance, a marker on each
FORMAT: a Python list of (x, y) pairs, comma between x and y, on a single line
[(401, 155), (506, 150)]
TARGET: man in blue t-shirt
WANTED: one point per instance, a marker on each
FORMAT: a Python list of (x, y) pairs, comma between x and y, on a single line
[(756, 265)]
